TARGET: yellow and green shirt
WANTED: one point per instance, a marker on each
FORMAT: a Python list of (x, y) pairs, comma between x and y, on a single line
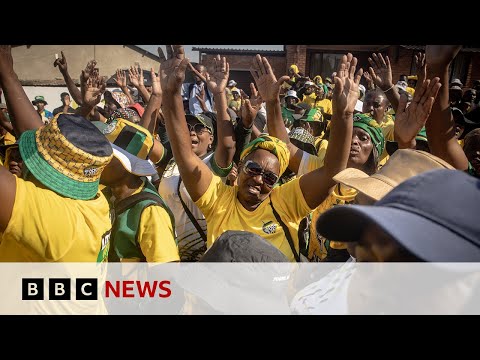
[(224, 212)]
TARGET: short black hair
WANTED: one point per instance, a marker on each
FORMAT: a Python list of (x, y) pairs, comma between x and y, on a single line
[(63, 94)]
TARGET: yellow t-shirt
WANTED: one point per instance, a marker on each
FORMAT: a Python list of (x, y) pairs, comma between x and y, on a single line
[(224, 212), (326, 104), (410, 90), (237, 104), (309, 99), (388, 130), (46, 227), (322, 150), (9, 139)]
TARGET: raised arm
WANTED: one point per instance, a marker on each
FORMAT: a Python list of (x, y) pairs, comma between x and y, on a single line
[(23, 115), (317, 184), (92, 88), (121, 81), (136, 78), (195, 174), (269, 89), (7, 125), (149, 118), (440, 125), (217, 78), (409, 120), (72, 88), (381, 73)]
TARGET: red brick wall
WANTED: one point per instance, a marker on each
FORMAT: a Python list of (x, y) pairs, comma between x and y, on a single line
[(296, 54), (400, 60), (243, 62)]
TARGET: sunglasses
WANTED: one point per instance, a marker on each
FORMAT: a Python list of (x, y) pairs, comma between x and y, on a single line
[(198, 128), (251, 168)]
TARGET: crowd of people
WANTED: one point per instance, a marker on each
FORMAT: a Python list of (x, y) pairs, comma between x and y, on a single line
[(318, 169)]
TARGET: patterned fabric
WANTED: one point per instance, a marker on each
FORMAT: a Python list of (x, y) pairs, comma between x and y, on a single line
[(65, 157), (120, 98), (271, 144), (126, 114)]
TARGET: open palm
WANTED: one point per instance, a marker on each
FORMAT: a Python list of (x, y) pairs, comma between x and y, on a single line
[(381, 71), (172, 68), (217, 76), (409, 120), (345, 95), (267, 84)]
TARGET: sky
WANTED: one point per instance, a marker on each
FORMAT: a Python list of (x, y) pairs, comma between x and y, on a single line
[(193, 55)]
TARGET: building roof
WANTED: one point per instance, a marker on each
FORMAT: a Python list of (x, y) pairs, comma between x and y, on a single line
[(239, 51), (465, 48)]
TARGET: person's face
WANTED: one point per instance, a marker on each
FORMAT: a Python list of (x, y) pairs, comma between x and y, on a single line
[(15, 162), (252, 190), (469, 96), (236, 95), (200, 136), (309, 90), (375, 245), (360, 149), (40, 106), (412, 83), (455, 95), (291, 72), (403, 78), (330, 93), (472, 151), (291, 101), (110, 106), (375, 105), (201, 70), (66, 99), (320, 92), (113, 173)]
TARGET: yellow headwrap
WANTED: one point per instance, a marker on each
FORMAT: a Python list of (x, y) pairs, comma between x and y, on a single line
[(294, 68), (271, 144)]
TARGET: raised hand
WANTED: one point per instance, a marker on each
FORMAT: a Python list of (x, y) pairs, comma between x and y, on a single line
[(172, 69), (156, 86), (345, 94), (441, 55), (251, 106), (267, 84), (94, 89), (381, 71), (121, 79), (421, 66), (217, 75), (410, 119), (86, 73), (135, 76), (370, 83), (61, 63)]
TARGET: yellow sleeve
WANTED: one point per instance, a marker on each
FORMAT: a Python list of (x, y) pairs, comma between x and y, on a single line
[(309, 163), (322, 150), (217, 192), (329, 109), (288, 200), (388, 128), (156, 237), (43, 221)]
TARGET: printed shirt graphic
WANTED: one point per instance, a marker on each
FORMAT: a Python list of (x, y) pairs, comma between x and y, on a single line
[(190, 244), (224, 212), (48, 227)]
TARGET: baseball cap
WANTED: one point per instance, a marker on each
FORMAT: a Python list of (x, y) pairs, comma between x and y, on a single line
[(291, 93), (232, 83), (433, 215), (204, 119)]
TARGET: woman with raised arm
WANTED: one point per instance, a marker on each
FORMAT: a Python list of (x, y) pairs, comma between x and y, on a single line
[(256, 204), (198, 143)]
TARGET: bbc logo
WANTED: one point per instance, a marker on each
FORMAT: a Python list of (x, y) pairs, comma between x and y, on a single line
[(59, 289)]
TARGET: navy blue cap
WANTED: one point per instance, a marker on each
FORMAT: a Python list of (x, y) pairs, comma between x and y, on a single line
[(434, 215)]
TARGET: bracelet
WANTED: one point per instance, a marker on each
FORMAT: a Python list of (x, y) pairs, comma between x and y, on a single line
[(390, 88)]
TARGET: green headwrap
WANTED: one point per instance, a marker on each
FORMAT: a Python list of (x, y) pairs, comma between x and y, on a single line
[(271, 144), (368, 124)]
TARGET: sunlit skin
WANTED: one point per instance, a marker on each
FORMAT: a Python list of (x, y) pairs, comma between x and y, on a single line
[(15, 163), (360, 150), (290, 102), (251, 189), (40, 106), (202, 70), (375, 105)]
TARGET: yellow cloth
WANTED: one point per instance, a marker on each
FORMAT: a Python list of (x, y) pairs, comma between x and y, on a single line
[(339, 196), (309, 99), (46, 227), (388, 130), (322, 150), (156, 237), (271, 144), (9, 139), (236, 104), (411, 90), (461, 143), (326, 104), (224, 212)]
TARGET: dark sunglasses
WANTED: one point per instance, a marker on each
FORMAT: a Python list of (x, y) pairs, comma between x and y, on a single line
[(251, 168), (198, 128)]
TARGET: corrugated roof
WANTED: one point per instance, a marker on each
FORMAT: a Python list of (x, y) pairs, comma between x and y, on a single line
[(238, 51)]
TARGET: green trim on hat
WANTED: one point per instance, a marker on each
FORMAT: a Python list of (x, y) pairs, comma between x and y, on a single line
[(48, 176), (135, 145)]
